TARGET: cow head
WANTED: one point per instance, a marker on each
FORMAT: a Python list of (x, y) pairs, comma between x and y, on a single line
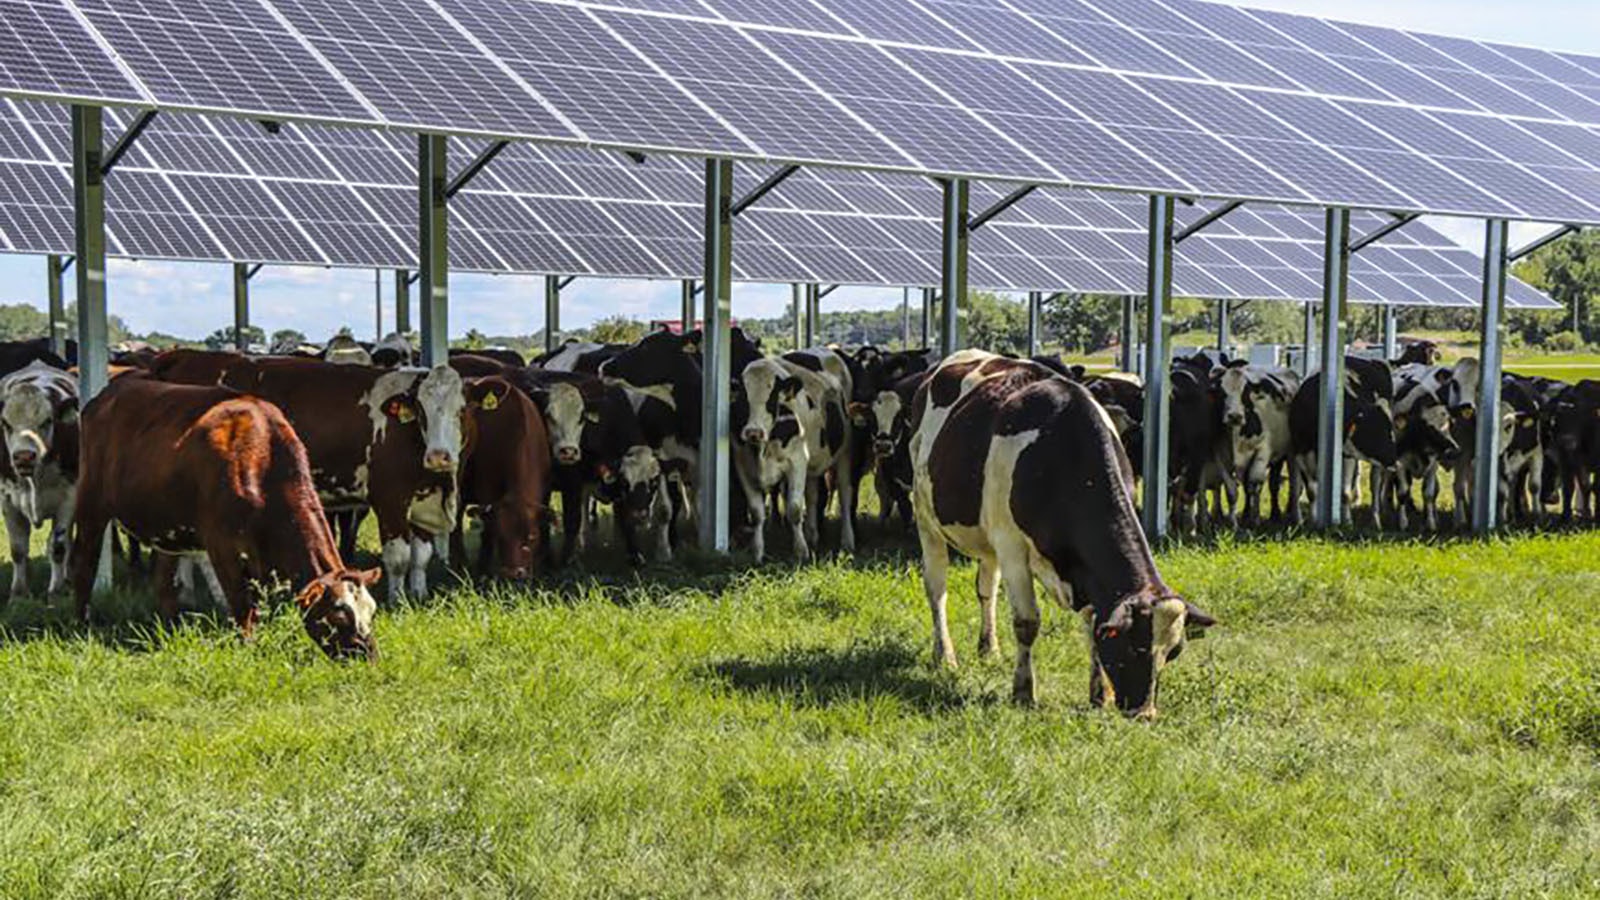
[(566, 415), (887, 419), (1430, 425), (1369, 432), (29, 420), (338, 611), (768, 387), (441, 407), (1133, 642), (1235, 385)]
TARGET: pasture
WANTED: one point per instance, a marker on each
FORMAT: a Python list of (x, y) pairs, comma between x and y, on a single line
[(1389, 719)]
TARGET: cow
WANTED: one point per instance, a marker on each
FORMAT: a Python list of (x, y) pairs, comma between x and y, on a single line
[(394, 352), (776, 455), (1198, 446), (502, 355), (205, 469), (1367, 432), (345, 350), (601, 451), (506, 477), (1255, 413), (391, 441), (1425, 353), (886, 422), (578, 356), (39, 471), (18, 355), (828, 386), (1424, 418), (1572, 426), (1022, 471)]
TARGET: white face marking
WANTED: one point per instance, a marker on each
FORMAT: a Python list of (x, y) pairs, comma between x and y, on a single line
[(1233, 383), (565, 417), (354, 597), (885, 409), (640, 466), (760, 380), (29, 419), (442, 398)]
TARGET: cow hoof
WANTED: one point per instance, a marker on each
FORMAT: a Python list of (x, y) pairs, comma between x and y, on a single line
[(1023, 697), (988, 647)]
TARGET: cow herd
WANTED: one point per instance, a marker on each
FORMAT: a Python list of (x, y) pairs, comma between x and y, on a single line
[(254, 469)]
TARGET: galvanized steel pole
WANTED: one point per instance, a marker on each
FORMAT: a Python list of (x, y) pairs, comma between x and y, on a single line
[(552, 313), (1307, 360), (1157, 361), (797, 307), (1224, 326), (402, 301), (1486, 476), (953, 272), (433, 174), (241, 306), (1391, 333), (1130, 335), (1035, 301), (713, 485), (686, 316), (53, 270), (89, 237), (928, 300), (1330, 426)]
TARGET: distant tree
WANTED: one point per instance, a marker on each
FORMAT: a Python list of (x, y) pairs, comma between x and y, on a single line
[(474, 340), (617, 330), (222, 338), (996, 324), (1569, 271), (21, 322), (288, 336)]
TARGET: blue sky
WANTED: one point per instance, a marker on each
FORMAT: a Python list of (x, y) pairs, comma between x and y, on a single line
[(195, 299)]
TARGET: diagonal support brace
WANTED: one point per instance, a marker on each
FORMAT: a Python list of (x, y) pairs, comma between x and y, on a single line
[(126, 142), (1206, 221), (1533, 247), (764, 188), (1010, 200), (1400, 221), (476, 167)]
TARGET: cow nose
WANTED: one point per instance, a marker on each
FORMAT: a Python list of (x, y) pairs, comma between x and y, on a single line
[(1234, 420), (24, 460), (567, 456), (439, 461), (755, 436), (883, 448)]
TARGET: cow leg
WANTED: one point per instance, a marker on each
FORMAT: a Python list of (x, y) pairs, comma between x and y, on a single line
[(19, 530), (847, 502), (572, 502), (396, 566), (935, 581), (1463, 494), (168, 571), (1013, 563), (421, 555), (61, 543), (988, 588), (1298, 484), (1275, 473), (1430, 497), (87, 544), (813, 511), (795, 509), (230, 574)]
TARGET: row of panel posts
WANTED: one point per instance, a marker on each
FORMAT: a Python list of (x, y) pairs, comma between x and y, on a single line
[(938, 320)]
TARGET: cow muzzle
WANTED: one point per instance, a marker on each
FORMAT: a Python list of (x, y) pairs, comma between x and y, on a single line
[(568, 456), (440, 461), (883, 447), (25, 462), (754, 436)]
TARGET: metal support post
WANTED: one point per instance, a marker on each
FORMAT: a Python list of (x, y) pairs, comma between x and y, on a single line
[(54, 273), (1307, 360), (89, 236), (402, 301), (1486, 477), (1391, 333), (813, 315), (1157, 363), (686, 316), (953, 272), (552, 313), (1035, 302), (433, 173), (1224, 326), (1330, 509), (713, 485), (929, 298), (1130, 335), (797, 308), (905, 318), (241, 306)]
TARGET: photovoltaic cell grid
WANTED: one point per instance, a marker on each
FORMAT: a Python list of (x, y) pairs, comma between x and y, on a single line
[(214, 188), (1177, 96)]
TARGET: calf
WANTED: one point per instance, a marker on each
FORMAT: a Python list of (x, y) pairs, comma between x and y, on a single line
[(1367, 430), (506, 477), (1023, 471), (886, 422), (390, 441), (204, 469), (773, 458), (1572, 425), (1198, 446), (1255, 413), (39, 472), (1424, 441)]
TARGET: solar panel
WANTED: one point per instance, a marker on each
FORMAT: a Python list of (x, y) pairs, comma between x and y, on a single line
[(45, 50)]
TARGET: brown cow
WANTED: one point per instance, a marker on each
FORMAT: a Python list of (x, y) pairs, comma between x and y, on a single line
[(204, 469), (388, 440), (506, 476)]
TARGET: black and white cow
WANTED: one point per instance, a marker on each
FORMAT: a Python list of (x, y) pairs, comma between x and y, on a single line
[(1022, 470), (1368, 430), (39, 473), (1572, 427), (1198, 447), (886, 423), (776, 457), (1255, 412), (1424, 441)]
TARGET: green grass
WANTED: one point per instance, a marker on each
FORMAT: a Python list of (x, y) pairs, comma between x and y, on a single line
[(1385, 720)]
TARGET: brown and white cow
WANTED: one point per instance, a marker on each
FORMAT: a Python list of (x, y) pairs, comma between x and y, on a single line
[(1022, 470), (506, 476), (39, 472), (205, 469), (391, 441)]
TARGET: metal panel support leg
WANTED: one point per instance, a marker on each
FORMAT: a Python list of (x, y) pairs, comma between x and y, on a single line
[(433, 174), (928, 302), (1035, 302), (1130, 335), (1308, 353), (953, 271), (1330, 509), (797, 308), (241, 307), (1486, 478), (716, 411), (1157, 363), (905, 319), (813, 315), (402, 301), (1391, 333), (1224, 327), (688, 316), (58, 309), (89, 235), (552, 313)]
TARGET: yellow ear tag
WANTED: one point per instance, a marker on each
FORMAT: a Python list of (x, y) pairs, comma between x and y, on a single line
[(491, 402), (405, 414)]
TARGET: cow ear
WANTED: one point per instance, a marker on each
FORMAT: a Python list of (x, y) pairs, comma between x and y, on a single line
[(1197, 619), (313, 593), (367, 577), (1120, 622), (69, 413), (1445, 376), (858, 414), (1078, 372), (400, 410)]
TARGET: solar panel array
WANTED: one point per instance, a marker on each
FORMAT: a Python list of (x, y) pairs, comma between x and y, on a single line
[(1171, 96), (214, 188)]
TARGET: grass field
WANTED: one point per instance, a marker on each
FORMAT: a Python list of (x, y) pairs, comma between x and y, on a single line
[(1384, 720)]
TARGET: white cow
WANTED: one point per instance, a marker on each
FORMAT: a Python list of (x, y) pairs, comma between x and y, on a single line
[(1255, 411), (38, 475)]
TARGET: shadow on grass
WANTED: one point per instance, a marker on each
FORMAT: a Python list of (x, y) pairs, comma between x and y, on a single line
[(825, 676)]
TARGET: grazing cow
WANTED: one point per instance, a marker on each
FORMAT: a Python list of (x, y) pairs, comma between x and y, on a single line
[(1022, 471), (39, 472), (18, 355), (387, 440), (506, 477), (1424, 421), (886, 422), (1255, 412), (601, 452), (204, 469), (1368, 430)]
